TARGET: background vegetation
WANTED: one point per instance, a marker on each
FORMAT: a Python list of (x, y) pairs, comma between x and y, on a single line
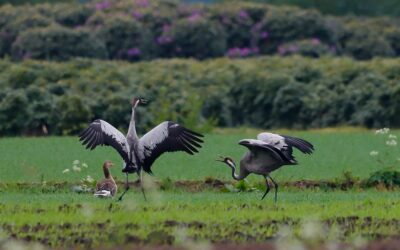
[(344, 7), (291, 92), (337, 7), (143, 30)]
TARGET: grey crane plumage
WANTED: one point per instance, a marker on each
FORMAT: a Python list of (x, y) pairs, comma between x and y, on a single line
[(267, 153), (140, 153)]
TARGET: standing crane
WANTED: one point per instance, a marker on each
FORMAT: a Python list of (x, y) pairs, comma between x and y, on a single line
[(140, 153), (267, 153)]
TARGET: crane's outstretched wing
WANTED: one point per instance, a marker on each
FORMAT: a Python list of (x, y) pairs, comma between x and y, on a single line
[(253, 145), (302, 145), (166, 137), (102, 133), (285, 143)]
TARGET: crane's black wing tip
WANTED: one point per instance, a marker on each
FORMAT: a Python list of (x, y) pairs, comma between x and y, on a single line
[(301, 144), (192, 132)]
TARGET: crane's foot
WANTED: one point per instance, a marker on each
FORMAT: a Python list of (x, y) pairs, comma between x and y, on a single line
[(126, 188), (268, 188), (122, 195), (144, 194), (141, 185), (276, 189)]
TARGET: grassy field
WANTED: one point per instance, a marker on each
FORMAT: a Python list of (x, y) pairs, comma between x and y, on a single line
[(336, 151), (67, 219), (40, 210)]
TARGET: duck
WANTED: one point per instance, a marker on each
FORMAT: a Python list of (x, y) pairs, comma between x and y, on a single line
[(106, 187)]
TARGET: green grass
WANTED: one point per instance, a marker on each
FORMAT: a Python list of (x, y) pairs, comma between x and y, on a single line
[(64, 219), (58, 217), (31, 159)]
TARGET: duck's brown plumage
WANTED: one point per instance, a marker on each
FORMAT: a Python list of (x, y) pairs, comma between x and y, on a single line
[(108, 183)]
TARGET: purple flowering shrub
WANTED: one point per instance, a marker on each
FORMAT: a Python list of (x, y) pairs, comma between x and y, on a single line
[(237, 24), (287, 24), (198, 38), (364, 43), (242, 52), (57, 43), (125, 38), (393, 36), (16, 26), (72, 15), (145, 29), (309, 47)]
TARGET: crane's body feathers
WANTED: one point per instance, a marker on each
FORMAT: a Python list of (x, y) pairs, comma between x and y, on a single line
[(267, 153), (259, 148), (286, 143)]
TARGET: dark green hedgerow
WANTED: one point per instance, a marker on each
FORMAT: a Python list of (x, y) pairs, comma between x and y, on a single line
[(266, 92), (146, 29)]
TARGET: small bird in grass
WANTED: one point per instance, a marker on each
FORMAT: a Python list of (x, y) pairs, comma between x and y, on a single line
[(106, 187), (267, 153)]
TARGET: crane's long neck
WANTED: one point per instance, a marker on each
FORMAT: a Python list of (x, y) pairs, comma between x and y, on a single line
[(235, 176), (132, 136)]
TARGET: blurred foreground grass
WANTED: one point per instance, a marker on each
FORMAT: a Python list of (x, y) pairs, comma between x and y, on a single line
[(71, 220)]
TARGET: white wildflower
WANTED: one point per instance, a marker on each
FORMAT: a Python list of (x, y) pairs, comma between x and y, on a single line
[(392, 136), (85, 165), (312, 230), (65, 171), (382, 131), (391, 143), (76, 168), (373, 153), (89, 179), (76, 162)]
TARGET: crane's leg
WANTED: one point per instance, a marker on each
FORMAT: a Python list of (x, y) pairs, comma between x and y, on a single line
[(268, 188), (276, 188), (126, 188), (141, 185)]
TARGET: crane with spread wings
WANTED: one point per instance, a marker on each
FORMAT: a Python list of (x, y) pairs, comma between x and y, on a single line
[(140, 153)]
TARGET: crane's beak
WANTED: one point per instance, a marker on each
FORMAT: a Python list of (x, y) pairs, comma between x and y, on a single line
[(221, 159), (143, 101)]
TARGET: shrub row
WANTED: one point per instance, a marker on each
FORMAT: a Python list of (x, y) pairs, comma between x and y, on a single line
[(265, 92), (344, 7), (146, 29)]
